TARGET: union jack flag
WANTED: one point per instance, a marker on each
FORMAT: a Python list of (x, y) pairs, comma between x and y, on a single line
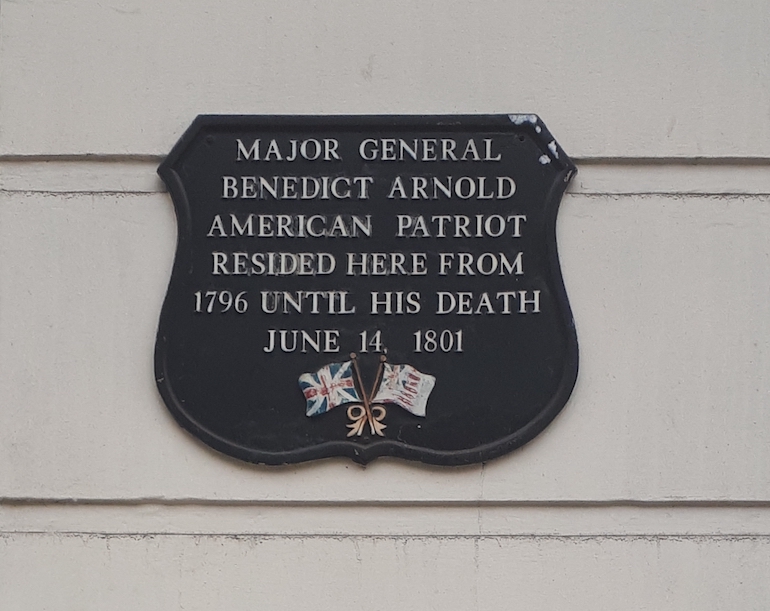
[(329, 387), (406, 387)]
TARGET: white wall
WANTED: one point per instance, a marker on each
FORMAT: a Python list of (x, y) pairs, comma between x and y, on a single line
[(651, 490)]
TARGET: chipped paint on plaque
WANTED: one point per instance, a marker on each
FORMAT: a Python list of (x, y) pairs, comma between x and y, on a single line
[(522, 119), (553, 149)]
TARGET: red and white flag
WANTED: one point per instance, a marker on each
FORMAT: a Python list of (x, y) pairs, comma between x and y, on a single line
[(406, 387)]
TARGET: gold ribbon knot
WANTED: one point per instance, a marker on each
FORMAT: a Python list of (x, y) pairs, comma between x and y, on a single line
[(361, 416)]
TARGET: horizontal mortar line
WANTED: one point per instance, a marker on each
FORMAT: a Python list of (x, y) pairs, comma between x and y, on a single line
[(88, 157), (669, 160), (471, 504), (671, 194), (580, 159), (378, 520), (390, 537), (677, 194), (94, 192), (116, 175)]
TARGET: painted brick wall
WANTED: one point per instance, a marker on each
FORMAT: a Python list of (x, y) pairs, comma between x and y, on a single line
[(651, 490)]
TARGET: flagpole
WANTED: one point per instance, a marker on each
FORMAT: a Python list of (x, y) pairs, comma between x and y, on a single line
[(380, 369), (375, 424), (364, 394)]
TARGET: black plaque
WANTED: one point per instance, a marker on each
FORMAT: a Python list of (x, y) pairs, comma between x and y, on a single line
[(364, 286)]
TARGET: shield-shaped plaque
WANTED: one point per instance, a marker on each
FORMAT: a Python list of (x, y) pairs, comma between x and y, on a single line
[(364, 286)]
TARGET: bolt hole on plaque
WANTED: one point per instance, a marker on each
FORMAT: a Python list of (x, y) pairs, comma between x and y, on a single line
[(366, 286)]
